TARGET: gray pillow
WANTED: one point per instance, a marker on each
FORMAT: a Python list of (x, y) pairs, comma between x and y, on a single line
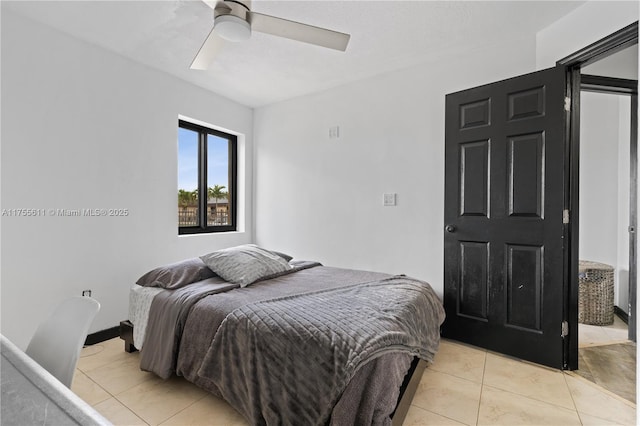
[(176, 275), (285, 256), (245, 264)]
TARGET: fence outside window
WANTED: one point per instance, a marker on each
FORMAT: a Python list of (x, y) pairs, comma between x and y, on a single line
[(189, 217)]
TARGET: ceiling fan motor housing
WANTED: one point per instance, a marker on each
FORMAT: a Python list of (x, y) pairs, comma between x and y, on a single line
[(231, 20), (232, 7)]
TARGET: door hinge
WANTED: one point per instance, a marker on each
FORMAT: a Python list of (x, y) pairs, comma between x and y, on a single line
[(567, 103), (565, 216), (565, 329)]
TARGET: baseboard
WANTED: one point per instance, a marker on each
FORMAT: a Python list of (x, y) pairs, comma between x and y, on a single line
[(621, 314), (102, 335)]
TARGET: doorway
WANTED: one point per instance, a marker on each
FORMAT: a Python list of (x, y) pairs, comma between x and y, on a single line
[(606, 353), (574, 64), (608, 171), (605, 211), (601, 83)]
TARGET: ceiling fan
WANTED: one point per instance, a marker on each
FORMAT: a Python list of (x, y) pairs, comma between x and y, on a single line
[(234, 21)]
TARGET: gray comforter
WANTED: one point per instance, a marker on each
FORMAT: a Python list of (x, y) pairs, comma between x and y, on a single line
[(385, 321), (169, 312), (167, 316), (309, 346)]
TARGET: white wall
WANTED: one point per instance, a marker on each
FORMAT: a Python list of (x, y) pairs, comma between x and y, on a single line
[(598, 177), (85, 128), (587, 24), (604, 185), (321, 198)]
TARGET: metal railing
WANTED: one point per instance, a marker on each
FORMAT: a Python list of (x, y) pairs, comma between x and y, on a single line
[(190, 218)]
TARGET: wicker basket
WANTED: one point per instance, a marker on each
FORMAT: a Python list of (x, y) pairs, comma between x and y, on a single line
[(595, 293)]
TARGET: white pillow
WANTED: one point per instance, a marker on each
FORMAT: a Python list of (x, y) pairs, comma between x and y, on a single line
[(245, 264)]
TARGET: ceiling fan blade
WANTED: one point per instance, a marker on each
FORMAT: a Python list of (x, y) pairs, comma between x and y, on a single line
[(211, 3), (207, 52), (297, 31)]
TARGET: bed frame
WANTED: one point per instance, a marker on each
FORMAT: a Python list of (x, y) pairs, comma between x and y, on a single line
[(407, 391), (126, 334)]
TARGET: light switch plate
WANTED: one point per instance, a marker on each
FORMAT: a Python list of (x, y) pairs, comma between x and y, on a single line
[(389, 199)]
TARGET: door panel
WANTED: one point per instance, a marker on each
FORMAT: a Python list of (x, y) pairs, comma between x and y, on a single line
[(524, 286), (525, 168), (474, 167), (504, 148), (473, 280)]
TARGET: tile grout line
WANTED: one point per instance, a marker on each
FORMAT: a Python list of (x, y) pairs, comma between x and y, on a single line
[(133, 411), (175, 414), (484, 369), (115, 397), (441, 415), (112, 395), (131, 408), (531, 397), (602, 390), (97, 384), (599, 389), (438, 413)]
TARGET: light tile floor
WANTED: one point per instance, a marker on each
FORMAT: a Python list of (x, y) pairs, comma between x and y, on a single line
[(607, 358), (595, 335), (464, 386)]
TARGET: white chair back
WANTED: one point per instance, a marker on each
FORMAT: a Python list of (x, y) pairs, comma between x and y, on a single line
[(57, 342)]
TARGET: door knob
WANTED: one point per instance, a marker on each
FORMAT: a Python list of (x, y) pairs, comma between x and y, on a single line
[(450, 228)]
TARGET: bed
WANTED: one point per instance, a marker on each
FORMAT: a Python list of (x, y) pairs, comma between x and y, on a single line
[(286, 341)]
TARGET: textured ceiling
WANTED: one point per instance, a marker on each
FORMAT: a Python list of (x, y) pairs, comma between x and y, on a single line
[(385, 35)]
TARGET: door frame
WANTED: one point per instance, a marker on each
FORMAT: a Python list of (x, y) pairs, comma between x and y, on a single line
[(609, 45), (610, 85)]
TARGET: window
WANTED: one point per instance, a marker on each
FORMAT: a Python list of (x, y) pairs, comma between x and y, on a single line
[(206, 179)]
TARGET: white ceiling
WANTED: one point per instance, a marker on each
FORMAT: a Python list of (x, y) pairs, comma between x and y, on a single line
[(385, 36)]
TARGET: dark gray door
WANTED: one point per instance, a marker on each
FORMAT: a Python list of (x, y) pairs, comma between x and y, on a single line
[(503, 237)]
